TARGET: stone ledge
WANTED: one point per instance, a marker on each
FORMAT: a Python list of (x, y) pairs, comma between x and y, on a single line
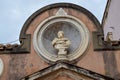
[(69, 67)]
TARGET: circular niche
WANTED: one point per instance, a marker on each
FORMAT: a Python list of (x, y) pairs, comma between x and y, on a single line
[(73, 29), (70, 32), (1, 66)]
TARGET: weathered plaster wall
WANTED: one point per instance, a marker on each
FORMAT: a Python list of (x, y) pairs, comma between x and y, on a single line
[(20, 65), (112, 18)]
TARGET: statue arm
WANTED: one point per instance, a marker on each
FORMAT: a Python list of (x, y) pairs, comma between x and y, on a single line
[(54, 41), (68, 42)]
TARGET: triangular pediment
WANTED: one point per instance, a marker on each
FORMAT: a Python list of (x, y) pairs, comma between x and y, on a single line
[(65, 71), (61, 12), (64, 74)]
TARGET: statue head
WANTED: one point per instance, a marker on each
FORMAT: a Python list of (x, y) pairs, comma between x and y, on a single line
[(60, 34)]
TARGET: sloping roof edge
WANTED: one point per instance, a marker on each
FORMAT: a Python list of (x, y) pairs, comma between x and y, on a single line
[(106, 12), (71, 67)]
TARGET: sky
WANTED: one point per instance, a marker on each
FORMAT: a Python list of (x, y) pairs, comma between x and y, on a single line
[(14, 13)]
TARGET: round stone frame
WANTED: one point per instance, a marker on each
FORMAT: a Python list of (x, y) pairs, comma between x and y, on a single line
[(37, 41), (1, 66)]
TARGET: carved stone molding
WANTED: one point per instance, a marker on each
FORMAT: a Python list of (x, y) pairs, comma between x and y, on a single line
[(72, 71), (101, 45), (1, 66)]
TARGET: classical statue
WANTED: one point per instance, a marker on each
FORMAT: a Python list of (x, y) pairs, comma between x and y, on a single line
[(61, 44)]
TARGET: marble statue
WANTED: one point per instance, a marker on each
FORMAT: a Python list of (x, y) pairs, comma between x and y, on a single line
[(61, 44)]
